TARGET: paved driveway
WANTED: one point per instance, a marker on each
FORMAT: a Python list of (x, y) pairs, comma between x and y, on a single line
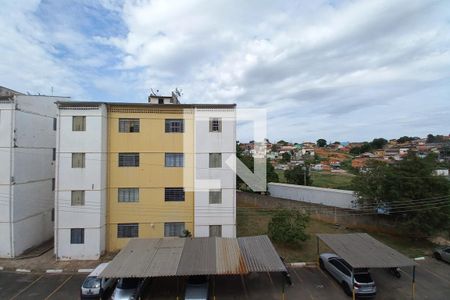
[(432, 282)]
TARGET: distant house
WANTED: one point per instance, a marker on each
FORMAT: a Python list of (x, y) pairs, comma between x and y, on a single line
[(308, 151), (441, 172)]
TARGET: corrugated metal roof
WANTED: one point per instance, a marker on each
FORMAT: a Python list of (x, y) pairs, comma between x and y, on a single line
[(361, 250), (260, 255), (198, 258), (194, 256)]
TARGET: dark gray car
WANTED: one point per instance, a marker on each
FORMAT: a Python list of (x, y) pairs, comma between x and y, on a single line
[(442, 253)]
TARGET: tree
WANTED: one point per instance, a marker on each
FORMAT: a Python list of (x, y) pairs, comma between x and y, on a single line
[(297, 175), (321, 143), (288, 227), (282, 143), (378, 143), (409, 191), (286, 157)]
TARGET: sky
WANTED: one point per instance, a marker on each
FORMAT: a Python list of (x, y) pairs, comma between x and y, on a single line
[(339, 70)]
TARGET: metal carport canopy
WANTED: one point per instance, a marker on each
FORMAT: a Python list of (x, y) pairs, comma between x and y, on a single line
[(361, 250), (194, 256)]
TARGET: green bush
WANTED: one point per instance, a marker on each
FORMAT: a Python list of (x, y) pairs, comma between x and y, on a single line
[(288, 227)]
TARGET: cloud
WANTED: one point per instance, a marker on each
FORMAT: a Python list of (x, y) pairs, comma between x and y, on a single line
[(333, 69)]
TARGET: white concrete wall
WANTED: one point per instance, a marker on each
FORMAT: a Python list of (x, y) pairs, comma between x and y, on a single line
[(6, 117), (91, 179), (329, 197), (206, 142), (32, 170)]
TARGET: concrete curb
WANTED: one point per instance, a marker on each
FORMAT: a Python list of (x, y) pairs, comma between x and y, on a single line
[(23, 270), (1, 268), (51, 271), (85, 270), (307, 264)]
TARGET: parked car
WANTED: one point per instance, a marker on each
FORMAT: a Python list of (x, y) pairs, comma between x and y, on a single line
[(442, 253), (348, 277), (197, 288), (130, 288), (94, 287)]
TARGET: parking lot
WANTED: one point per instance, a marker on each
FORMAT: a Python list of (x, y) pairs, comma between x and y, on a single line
[(432, 282)]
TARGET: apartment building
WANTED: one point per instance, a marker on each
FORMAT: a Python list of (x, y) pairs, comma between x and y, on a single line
[(142, 170), (27, 172)]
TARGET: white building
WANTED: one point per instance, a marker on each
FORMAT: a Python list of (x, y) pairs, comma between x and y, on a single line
[(91, 179), (27, 154)]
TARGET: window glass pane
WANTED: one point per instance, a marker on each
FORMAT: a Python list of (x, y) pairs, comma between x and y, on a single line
[(129, 125), (215, 230), (54, 123), (77, 236), (78, 123), (128, 230), (174, 160), (128, 195), (215, 160), (173, 229), (128, 159), (215, 125), (77, 198), (78, 160), (174, 194), (215, 197), (174, 125)]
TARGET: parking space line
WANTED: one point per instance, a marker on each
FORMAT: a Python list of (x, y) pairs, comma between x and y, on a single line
[(270, 278), (298, 276), (435, 274), (330, 279), (26, 288), (59, 287)]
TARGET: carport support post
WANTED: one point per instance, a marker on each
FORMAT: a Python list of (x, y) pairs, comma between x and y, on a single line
[(177, 288), (318, 254), (414, 283)]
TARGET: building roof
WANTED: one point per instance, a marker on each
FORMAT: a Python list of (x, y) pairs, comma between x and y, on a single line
[(194, 256), (63, 104), (361, 250)]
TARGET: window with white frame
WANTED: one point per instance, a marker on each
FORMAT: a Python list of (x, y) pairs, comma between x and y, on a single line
[(78, 123), (174, 125), (215, 196), (215, 230), (78, 160), (128, 159), (77, 198), (215, 160), (129, 125), (77, 236), (128, 195), (174, 194), (173, 229), (174, 160), (128, 230), (215, 125)]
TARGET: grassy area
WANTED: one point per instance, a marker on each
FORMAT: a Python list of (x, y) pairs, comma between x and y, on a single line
[(325, 180), (254, 221)]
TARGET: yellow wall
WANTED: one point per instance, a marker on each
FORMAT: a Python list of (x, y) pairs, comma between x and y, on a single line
[(151, 177)]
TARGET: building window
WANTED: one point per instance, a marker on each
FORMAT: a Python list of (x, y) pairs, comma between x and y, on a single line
[(53, 215), (174, 160), (53, 184), (215, 197), (129, 125), (174, 125), (174, 194), (78, 123), (173, 229), (54, 154), (128, 230), (77, 236), (215, 125), (128, 159), (54, 124), (215, 230), (77, 198), (160, 100), (128, 195), (215, 160), (78, 160)]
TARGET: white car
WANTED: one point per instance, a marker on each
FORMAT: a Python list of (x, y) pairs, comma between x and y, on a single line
[(347, 277), (94, 287), (442, 253), (129, 288), (197, 288)]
